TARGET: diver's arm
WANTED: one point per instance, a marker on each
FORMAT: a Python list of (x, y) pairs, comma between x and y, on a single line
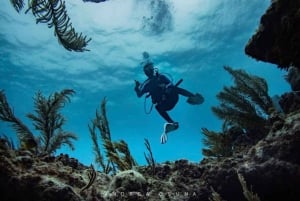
[(138, 89)]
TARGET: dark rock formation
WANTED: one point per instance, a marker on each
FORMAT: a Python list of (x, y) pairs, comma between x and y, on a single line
[(271, 168), (277, 39), (290, 102)]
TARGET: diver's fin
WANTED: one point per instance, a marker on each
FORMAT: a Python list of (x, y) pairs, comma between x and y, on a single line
[(197, 99), (163, 138), (168, 127)]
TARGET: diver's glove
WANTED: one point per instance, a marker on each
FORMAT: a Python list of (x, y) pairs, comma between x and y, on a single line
[(137, 85)]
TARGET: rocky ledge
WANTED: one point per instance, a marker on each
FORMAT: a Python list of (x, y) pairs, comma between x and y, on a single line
[(277, 39), (271, 169)]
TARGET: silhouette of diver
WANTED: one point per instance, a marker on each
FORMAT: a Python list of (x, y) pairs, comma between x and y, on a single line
[(164, 93)]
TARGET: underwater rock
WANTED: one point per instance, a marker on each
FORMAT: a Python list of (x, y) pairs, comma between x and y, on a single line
[(128, 184), (277, 39), (271, 169), (290, 102), (293, 78)]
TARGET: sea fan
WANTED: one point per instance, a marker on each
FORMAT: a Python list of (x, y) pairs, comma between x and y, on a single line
[(25, 136), (49, 121), (53, 12), (17, 4), (117, 153), (247, 103)]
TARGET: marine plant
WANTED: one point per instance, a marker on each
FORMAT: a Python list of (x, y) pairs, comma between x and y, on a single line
[(221, 144), (118, 155), (101, 123), (47, 120), (218, 144), (17, 4), (92, 174), (248, 194), (214, 195), (244, 108), (25, 136), (7, 142), (149, 157), (53, 12), (247, 103)]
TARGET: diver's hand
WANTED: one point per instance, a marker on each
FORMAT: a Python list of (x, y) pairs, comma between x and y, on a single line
[(137, 84)]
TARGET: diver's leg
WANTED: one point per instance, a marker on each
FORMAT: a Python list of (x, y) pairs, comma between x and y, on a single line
[(194, 99), (184, 92), (164, 113)]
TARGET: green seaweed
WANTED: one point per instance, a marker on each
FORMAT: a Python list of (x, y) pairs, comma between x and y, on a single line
[(92, 175), (117, 153), (53, 12), (218, 144), (17, 4), (249, 195), (7, 142), (101, 124), (221, 144), (247, 104), (25, 136), (49, 121), (244, 108), (149, 157)]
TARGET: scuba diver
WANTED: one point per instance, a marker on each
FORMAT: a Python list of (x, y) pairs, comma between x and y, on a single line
[(164, 94)]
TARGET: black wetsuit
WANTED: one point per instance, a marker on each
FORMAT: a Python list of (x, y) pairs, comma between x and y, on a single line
[(163, 93)]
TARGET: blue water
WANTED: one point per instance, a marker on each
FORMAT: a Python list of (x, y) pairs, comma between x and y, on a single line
[(191, 39)]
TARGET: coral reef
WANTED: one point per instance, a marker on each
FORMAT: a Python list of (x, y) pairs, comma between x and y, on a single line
[(129, 184), (277, 39), (270, 169)]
